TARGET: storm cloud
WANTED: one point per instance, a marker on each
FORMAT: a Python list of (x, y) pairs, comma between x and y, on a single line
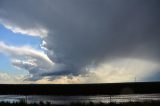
[(85, 33)]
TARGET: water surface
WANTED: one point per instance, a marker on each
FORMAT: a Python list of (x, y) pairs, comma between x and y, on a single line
[(84, 99)]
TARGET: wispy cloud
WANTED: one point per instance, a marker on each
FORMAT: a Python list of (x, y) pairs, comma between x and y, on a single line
[(6, 78), (38, 32), (24, 51), (36, 62)]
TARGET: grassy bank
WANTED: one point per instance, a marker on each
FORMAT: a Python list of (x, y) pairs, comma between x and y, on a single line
[(147, 103)]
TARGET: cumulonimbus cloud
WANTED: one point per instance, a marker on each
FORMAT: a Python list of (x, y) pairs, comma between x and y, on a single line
[(82, 34)]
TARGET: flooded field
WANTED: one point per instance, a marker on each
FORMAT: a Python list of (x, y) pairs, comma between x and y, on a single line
[(81, 99)]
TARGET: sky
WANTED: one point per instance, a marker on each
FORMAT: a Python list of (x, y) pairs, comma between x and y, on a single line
[(85, 41)]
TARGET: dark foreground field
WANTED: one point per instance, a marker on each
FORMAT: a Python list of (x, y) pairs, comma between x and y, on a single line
[(80, 89), (149, 103)]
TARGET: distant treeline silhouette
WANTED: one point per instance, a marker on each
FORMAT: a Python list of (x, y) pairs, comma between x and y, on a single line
[(80, 89)]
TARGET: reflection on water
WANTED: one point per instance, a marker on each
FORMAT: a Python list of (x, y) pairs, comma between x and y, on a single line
[(70, 99)]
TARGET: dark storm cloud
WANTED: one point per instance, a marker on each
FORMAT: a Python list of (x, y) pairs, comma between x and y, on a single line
[(88, 32)]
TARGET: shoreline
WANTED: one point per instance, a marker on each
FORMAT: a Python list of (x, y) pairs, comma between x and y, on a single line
[(23, 103)]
